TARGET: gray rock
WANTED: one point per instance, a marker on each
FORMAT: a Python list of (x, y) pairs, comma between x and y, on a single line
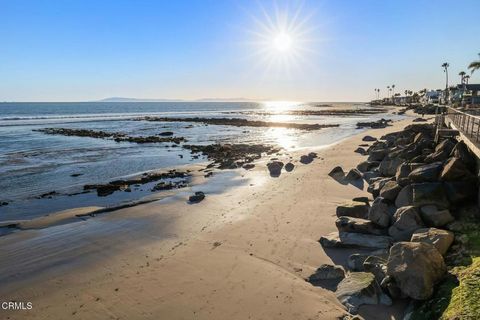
[(433, 217), (355, 261), (197, 197), (390, 190), (353, 209), (369, 176), (275, 168), (388, 167), (377, 154), (357, 225), (361, 151), (353, 174), (327, 272), (440, 239), (429, 193), (442, 151), (401, 176), (460, 191), (348, 239), (377, 266), (454, 170), (337, 173), (289, 167), (406, 221), (379, 213), (461, 151), (367, 165), (404, 197), (426, 173), (369, 138), (376, 186), (360, 288), (416, 267)]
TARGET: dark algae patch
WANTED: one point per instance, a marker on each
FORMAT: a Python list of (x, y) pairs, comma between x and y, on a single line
[(238, 122), (231, 156), (116, 136)]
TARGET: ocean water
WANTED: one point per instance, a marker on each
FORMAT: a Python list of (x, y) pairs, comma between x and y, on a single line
[(33, 163)]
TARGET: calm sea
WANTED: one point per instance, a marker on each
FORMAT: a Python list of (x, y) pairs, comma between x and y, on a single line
[(33, 163)]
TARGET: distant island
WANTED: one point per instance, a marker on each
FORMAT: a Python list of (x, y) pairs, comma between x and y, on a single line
[(123, 99)]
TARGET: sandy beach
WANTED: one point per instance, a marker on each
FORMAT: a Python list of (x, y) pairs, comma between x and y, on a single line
[(240, 254)]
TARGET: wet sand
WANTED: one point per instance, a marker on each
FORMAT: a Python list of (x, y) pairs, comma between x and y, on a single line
[(239, 254)]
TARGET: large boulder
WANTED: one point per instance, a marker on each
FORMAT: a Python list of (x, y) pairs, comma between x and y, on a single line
[(460, 191), (461, 151), (357, 225), (353, 174), (379, 212), (367, 165), (406, 221), (416, 267), (354, 209), (434, 217), (388, 167), (429, 193), (454, 170), (440, 239), (376, 186), (360, 288), (426, 173), (275, 168), (337, 173), (349, 239), (404, 197), (377, 154), (442, 151), (390, 190), (401, 176), (369, 139)]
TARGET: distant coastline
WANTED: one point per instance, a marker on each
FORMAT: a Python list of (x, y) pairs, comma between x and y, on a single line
[(123, 99)]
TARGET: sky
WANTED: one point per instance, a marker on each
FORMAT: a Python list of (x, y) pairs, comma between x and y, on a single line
[(338, 50)]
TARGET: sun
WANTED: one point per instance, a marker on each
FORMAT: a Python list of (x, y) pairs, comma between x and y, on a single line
[(282, 42)]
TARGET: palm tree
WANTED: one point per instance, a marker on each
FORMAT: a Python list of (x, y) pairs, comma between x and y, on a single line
[(475, 65), (393, 89), (466, 78), (388, 90), (445, 66), (462, 76)]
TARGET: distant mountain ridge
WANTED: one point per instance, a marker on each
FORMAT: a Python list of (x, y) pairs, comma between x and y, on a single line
[(123, 99)]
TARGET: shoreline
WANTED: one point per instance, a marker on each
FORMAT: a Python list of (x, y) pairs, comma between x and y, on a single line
[(267, 237)]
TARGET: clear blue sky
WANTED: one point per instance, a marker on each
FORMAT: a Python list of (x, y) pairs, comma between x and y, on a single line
[(69, 50)]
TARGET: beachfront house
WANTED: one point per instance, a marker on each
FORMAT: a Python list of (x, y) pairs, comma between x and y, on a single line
[(465, 94), (432, 96)]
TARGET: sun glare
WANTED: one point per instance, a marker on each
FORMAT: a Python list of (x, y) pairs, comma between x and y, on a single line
[(282, 42)]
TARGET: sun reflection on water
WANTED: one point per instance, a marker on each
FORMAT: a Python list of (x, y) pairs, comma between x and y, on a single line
[(284, 137)]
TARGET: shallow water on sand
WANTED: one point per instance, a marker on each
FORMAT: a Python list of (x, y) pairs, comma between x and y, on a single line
[(33, 163)]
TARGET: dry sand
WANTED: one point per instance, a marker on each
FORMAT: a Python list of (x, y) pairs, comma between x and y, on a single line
[(239, 254)]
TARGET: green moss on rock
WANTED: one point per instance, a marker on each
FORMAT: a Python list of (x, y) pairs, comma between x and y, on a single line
[(465, 300)]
